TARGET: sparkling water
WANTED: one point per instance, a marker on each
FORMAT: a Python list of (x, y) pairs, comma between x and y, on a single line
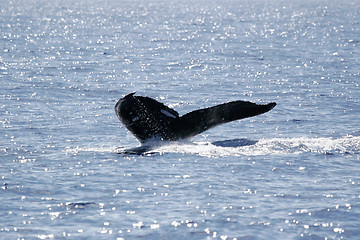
[(292, 173)]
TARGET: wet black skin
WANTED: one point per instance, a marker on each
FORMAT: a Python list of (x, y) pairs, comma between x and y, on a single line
[(149, 119)]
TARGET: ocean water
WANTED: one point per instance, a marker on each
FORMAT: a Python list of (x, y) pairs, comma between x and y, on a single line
[(292, 173)]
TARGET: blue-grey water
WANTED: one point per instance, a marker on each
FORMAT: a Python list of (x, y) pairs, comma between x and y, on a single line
[(292, 173)]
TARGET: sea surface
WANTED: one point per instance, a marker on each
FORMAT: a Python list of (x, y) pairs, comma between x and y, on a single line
[(292, 173)]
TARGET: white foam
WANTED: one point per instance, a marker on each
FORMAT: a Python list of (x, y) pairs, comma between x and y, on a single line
[(78, 149), (274, 146)]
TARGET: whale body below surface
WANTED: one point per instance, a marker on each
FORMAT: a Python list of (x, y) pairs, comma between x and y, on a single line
[(149, 119)]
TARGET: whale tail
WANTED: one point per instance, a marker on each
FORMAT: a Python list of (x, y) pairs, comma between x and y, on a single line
[(149, 119)]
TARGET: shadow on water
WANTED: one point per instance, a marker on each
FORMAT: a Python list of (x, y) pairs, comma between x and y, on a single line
[(77, 205), (142, 150), (238, 142)]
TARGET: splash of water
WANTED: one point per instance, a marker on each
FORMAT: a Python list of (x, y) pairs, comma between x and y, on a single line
[(274, 146)]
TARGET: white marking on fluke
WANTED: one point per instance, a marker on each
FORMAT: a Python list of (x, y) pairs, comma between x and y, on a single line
[(167, 113)]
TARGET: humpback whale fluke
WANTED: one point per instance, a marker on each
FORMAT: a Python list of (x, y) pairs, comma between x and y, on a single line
[(149, 119)]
